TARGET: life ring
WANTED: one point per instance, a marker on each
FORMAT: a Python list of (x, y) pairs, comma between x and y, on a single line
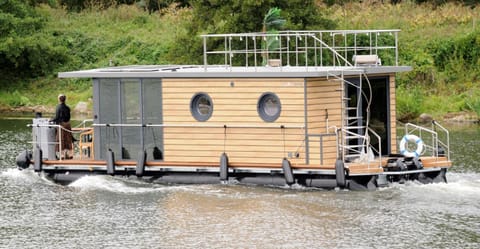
[(412, 138)]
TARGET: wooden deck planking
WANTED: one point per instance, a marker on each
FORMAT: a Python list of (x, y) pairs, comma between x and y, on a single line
[(432, 162)]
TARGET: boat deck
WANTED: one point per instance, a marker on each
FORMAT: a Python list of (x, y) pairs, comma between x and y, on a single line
[(371, 168)]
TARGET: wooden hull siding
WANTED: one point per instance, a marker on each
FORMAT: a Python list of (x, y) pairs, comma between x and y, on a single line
[(323, 97), (247, 138), (393, 115)]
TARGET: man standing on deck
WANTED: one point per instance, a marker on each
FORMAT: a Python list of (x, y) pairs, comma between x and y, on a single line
[(64, 134)]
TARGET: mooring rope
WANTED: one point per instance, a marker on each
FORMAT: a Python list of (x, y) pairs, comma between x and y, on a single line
[(284, 146), (224, 138)]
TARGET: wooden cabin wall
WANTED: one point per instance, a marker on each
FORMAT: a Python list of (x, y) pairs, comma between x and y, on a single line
[(393, 115), (324, 101), (247, 138)]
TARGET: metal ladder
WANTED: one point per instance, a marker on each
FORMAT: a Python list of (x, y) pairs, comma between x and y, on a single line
[(354, 140)]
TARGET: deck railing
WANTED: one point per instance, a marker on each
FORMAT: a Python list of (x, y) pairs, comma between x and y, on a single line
[(221, 128), (42, 140), (435, 139), (203, 126), (320, 136), (84, 123), (360, 153), (299, 48)]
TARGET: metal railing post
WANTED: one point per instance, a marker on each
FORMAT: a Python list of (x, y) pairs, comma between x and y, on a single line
[(396, 48), (205, 53)]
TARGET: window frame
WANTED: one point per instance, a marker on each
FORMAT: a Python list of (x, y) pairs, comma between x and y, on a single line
[(261, 107), (194, 107)]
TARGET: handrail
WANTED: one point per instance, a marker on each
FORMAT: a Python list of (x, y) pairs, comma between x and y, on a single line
[(366, 144), (60, 130), (332, 50), (202, 126), (411, 128), (339, 31), (83, 123), (175, 125), (370, 130), (54, 126), (320, 135), (293, 45), (435, 140), (447, 134)]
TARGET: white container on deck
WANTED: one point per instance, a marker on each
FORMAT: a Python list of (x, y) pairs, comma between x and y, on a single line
[(44, 137)]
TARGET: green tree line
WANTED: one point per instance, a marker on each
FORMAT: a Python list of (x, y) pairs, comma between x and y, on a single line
[(39, 38), (24, 50), (154, 5)]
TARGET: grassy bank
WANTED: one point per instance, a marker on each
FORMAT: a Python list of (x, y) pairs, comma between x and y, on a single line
[(125, 35), (437, 86), (122, 35)]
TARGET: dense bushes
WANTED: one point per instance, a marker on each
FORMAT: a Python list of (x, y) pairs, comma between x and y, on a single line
[(432, 2), (409, 106), (461, 52), (445, 73), (239, 16), (150, 5), (29, 56), (128, 35), (441, 43), (25, 51)]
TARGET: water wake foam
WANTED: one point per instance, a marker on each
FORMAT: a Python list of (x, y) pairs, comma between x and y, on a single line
[(15, 173), (460, 184), (27, 177), (118, 185)]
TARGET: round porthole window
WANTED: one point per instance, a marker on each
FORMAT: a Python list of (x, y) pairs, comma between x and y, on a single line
[(201, 106), (269, 107)]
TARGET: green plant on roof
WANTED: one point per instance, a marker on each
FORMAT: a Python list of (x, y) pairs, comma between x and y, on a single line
[(272, 22)]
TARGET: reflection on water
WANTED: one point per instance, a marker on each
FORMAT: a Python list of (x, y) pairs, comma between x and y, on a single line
[(107, 212), (465, 142)]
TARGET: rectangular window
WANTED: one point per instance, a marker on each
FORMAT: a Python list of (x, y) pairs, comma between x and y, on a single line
[(152, 114), (126, 105), (131, 114), (106, 112)]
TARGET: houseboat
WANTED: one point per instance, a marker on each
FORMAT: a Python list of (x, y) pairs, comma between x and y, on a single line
[(317, 110)]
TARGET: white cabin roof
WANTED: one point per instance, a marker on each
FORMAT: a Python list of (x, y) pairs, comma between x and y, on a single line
[(200, 71)]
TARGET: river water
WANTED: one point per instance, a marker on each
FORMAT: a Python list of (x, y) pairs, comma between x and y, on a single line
[(106, 212)]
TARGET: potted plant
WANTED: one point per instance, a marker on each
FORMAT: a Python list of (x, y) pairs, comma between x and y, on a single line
[(272, 22)]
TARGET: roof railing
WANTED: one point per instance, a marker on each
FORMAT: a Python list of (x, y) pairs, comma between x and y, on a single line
[(300, 48)]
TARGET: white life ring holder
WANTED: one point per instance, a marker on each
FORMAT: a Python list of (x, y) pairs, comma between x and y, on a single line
[(412, 138)]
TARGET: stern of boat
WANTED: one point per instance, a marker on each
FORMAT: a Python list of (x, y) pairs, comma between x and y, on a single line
[(424, 156)]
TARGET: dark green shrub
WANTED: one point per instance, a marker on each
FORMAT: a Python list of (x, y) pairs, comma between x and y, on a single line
[(216, 17), (464, 50), (24, 50), (150, 5), (409, 102)]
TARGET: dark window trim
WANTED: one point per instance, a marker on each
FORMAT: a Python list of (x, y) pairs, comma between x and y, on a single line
[(261, 110), (194, 107)]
